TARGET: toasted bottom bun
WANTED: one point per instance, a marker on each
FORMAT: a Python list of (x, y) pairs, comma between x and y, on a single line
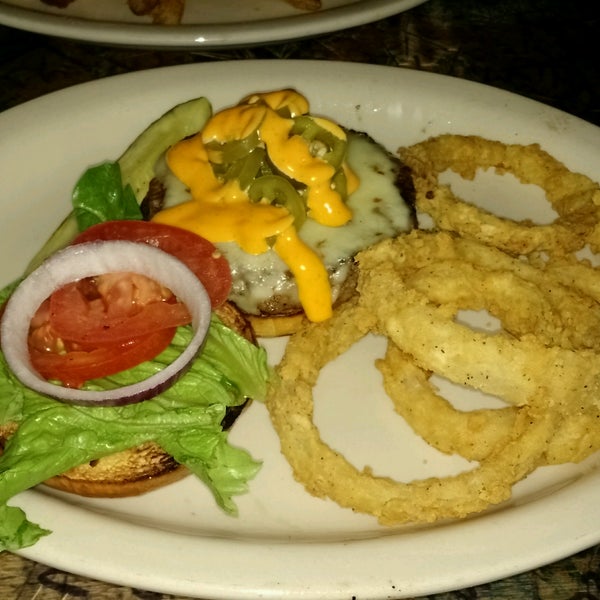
[(268, 327), (145, 467), (127, 473), (281, 324)]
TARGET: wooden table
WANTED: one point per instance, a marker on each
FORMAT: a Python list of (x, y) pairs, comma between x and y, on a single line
[(537, 49)]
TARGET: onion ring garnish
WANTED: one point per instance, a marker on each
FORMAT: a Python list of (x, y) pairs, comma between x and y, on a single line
[(88, 260), (326, 473), (544, 365), (574, 196), (473, 434)]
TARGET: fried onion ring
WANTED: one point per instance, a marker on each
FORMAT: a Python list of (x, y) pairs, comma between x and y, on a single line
[(569, 369), (543, 362), (566, 286), (326, 473), (510, 367), (473, 434), (548, 378), (574, 196)]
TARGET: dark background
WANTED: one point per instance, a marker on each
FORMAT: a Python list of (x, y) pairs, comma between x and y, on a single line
[(544, 49)]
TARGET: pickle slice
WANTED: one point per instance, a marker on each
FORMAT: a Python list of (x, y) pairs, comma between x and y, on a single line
[(137, 163)]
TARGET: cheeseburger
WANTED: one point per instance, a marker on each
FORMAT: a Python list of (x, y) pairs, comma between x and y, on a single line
[(289, 198), (265, 205)]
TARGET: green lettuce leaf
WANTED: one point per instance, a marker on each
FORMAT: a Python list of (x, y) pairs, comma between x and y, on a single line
[(16, 531), (185, 420), (99, 196)]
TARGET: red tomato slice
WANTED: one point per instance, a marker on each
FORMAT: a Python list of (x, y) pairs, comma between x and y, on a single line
[(200, 255), (74, 368), (100, 321), (104, 325)]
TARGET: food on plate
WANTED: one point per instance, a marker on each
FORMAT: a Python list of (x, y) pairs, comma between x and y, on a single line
[(543, 362), (95, 309), (574, 196), (104, 327), (113, 190), (288, 198), (555, 347), (331, 254), (170, 12), (326, 473), (123, 365), (474, 433), (148, 466), (163, 12)]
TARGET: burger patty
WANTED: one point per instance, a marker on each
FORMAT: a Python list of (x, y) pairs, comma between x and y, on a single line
[(382, 207)]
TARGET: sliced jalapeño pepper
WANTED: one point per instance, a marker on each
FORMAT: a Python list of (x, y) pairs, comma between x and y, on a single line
[(247, 168), (340, 184), (232, 150), (335, 147), (278, 190)]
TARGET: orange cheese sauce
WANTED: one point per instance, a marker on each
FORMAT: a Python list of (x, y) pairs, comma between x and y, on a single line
[(221, 211)]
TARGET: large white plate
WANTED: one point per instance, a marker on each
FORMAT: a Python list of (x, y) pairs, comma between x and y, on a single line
[(206, 23), (285, 543)]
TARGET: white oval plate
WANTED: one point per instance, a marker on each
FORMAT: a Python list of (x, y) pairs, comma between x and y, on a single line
[(205, 24), (286, 543)]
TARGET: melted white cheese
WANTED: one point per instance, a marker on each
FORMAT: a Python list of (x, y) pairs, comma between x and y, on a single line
[(379, 212)]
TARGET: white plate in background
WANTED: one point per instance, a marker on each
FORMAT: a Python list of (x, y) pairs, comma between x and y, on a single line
[(206, 23)]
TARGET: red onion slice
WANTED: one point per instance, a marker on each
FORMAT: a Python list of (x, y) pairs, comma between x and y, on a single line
[(87, 260)]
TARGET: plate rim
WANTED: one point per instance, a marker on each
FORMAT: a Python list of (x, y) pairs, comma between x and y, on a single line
[(549, 552), (207, 36)]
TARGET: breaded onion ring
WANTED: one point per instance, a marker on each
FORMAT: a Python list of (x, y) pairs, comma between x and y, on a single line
[(570, 303), (544, 363), (410, 290), (326, 473), (574, 196), (473, 434), (556, 324), (510, 367)]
